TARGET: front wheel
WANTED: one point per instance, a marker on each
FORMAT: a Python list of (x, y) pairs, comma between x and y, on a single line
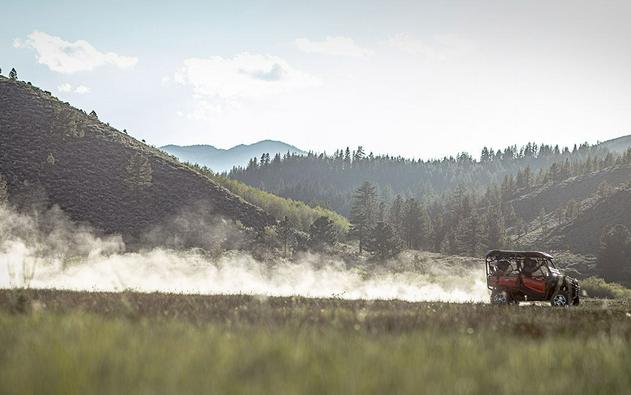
[(560, 300)]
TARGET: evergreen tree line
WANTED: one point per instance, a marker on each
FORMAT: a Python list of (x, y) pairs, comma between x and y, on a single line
[(329, 180), (614, 259), (465, 221), (460, 225)]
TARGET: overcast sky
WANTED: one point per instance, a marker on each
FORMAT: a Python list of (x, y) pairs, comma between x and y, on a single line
[(416, 78)]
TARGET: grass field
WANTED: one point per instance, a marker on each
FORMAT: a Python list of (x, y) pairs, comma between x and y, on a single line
[(73, 342)]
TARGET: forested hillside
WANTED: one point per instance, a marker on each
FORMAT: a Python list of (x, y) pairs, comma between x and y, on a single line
[(553, 196), (329, 180), (536, 196), (583, 233), (54, 154)]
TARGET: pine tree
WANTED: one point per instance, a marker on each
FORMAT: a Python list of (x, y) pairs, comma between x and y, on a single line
[(508, 187), (456, 199), (285, 234), (510, 216), (438, 233), (359, 154), (450, 243), (381, 212), (322, 232), (527, 178), (485, 156), (415, 225), (614, 258), (571, 210), (13, 74), (495, 233), (363, 212), (542, 220), (252, 164), (471, 235), (395, 215), (347, 158), (382, 242), (560, 215)]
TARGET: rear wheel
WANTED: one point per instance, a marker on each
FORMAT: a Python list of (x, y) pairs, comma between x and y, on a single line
[(500, 297)]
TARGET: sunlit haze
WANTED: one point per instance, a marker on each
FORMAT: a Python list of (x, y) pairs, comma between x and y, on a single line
[(413, 78)]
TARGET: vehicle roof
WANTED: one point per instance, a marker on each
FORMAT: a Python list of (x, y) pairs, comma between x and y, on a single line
[(510, 254)]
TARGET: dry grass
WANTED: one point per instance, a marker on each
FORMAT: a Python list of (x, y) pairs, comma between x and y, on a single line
[(74, 342)]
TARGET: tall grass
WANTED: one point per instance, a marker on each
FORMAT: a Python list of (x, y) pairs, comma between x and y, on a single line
[(71, 342), (79, 354)]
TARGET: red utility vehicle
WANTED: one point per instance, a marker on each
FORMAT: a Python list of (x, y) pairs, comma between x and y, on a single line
[(517, 276)]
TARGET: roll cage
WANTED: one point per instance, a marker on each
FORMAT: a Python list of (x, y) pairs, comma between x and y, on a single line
[(509, 262)]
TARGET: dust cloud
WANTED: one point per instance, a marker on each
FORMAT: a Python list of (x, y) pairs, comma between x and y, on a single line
[(46, 250)]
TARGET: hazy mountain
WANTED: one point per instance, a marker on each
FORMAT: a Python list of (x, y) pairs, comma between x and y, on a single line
[(221, 160), (618, 145), (54, 154)]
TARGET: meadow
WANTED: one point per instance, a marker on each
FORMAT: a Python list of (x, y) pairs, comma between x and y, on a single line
[(81, 342)]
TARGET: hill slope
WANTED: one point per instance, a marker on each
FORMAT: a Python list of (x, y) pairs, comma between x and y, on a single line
[(583, 233), (97, 174), (554, 196), (572, 214), (618, 145), (220, 160)]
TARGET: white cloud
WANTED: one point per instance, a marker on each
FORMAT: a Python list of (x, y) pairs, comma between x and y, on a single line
[(334, 46), (441, 47), (82, 89), (218, 81), (70, 57), (64, 87)]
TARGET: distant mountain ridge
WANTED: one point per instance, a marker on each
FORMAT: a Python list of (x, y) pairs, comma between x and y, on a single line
[(219, 159)]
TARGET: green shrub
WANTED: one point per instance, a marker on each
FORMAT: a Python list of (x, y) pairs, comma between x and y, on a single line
[(596, 287), (299, 214)]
